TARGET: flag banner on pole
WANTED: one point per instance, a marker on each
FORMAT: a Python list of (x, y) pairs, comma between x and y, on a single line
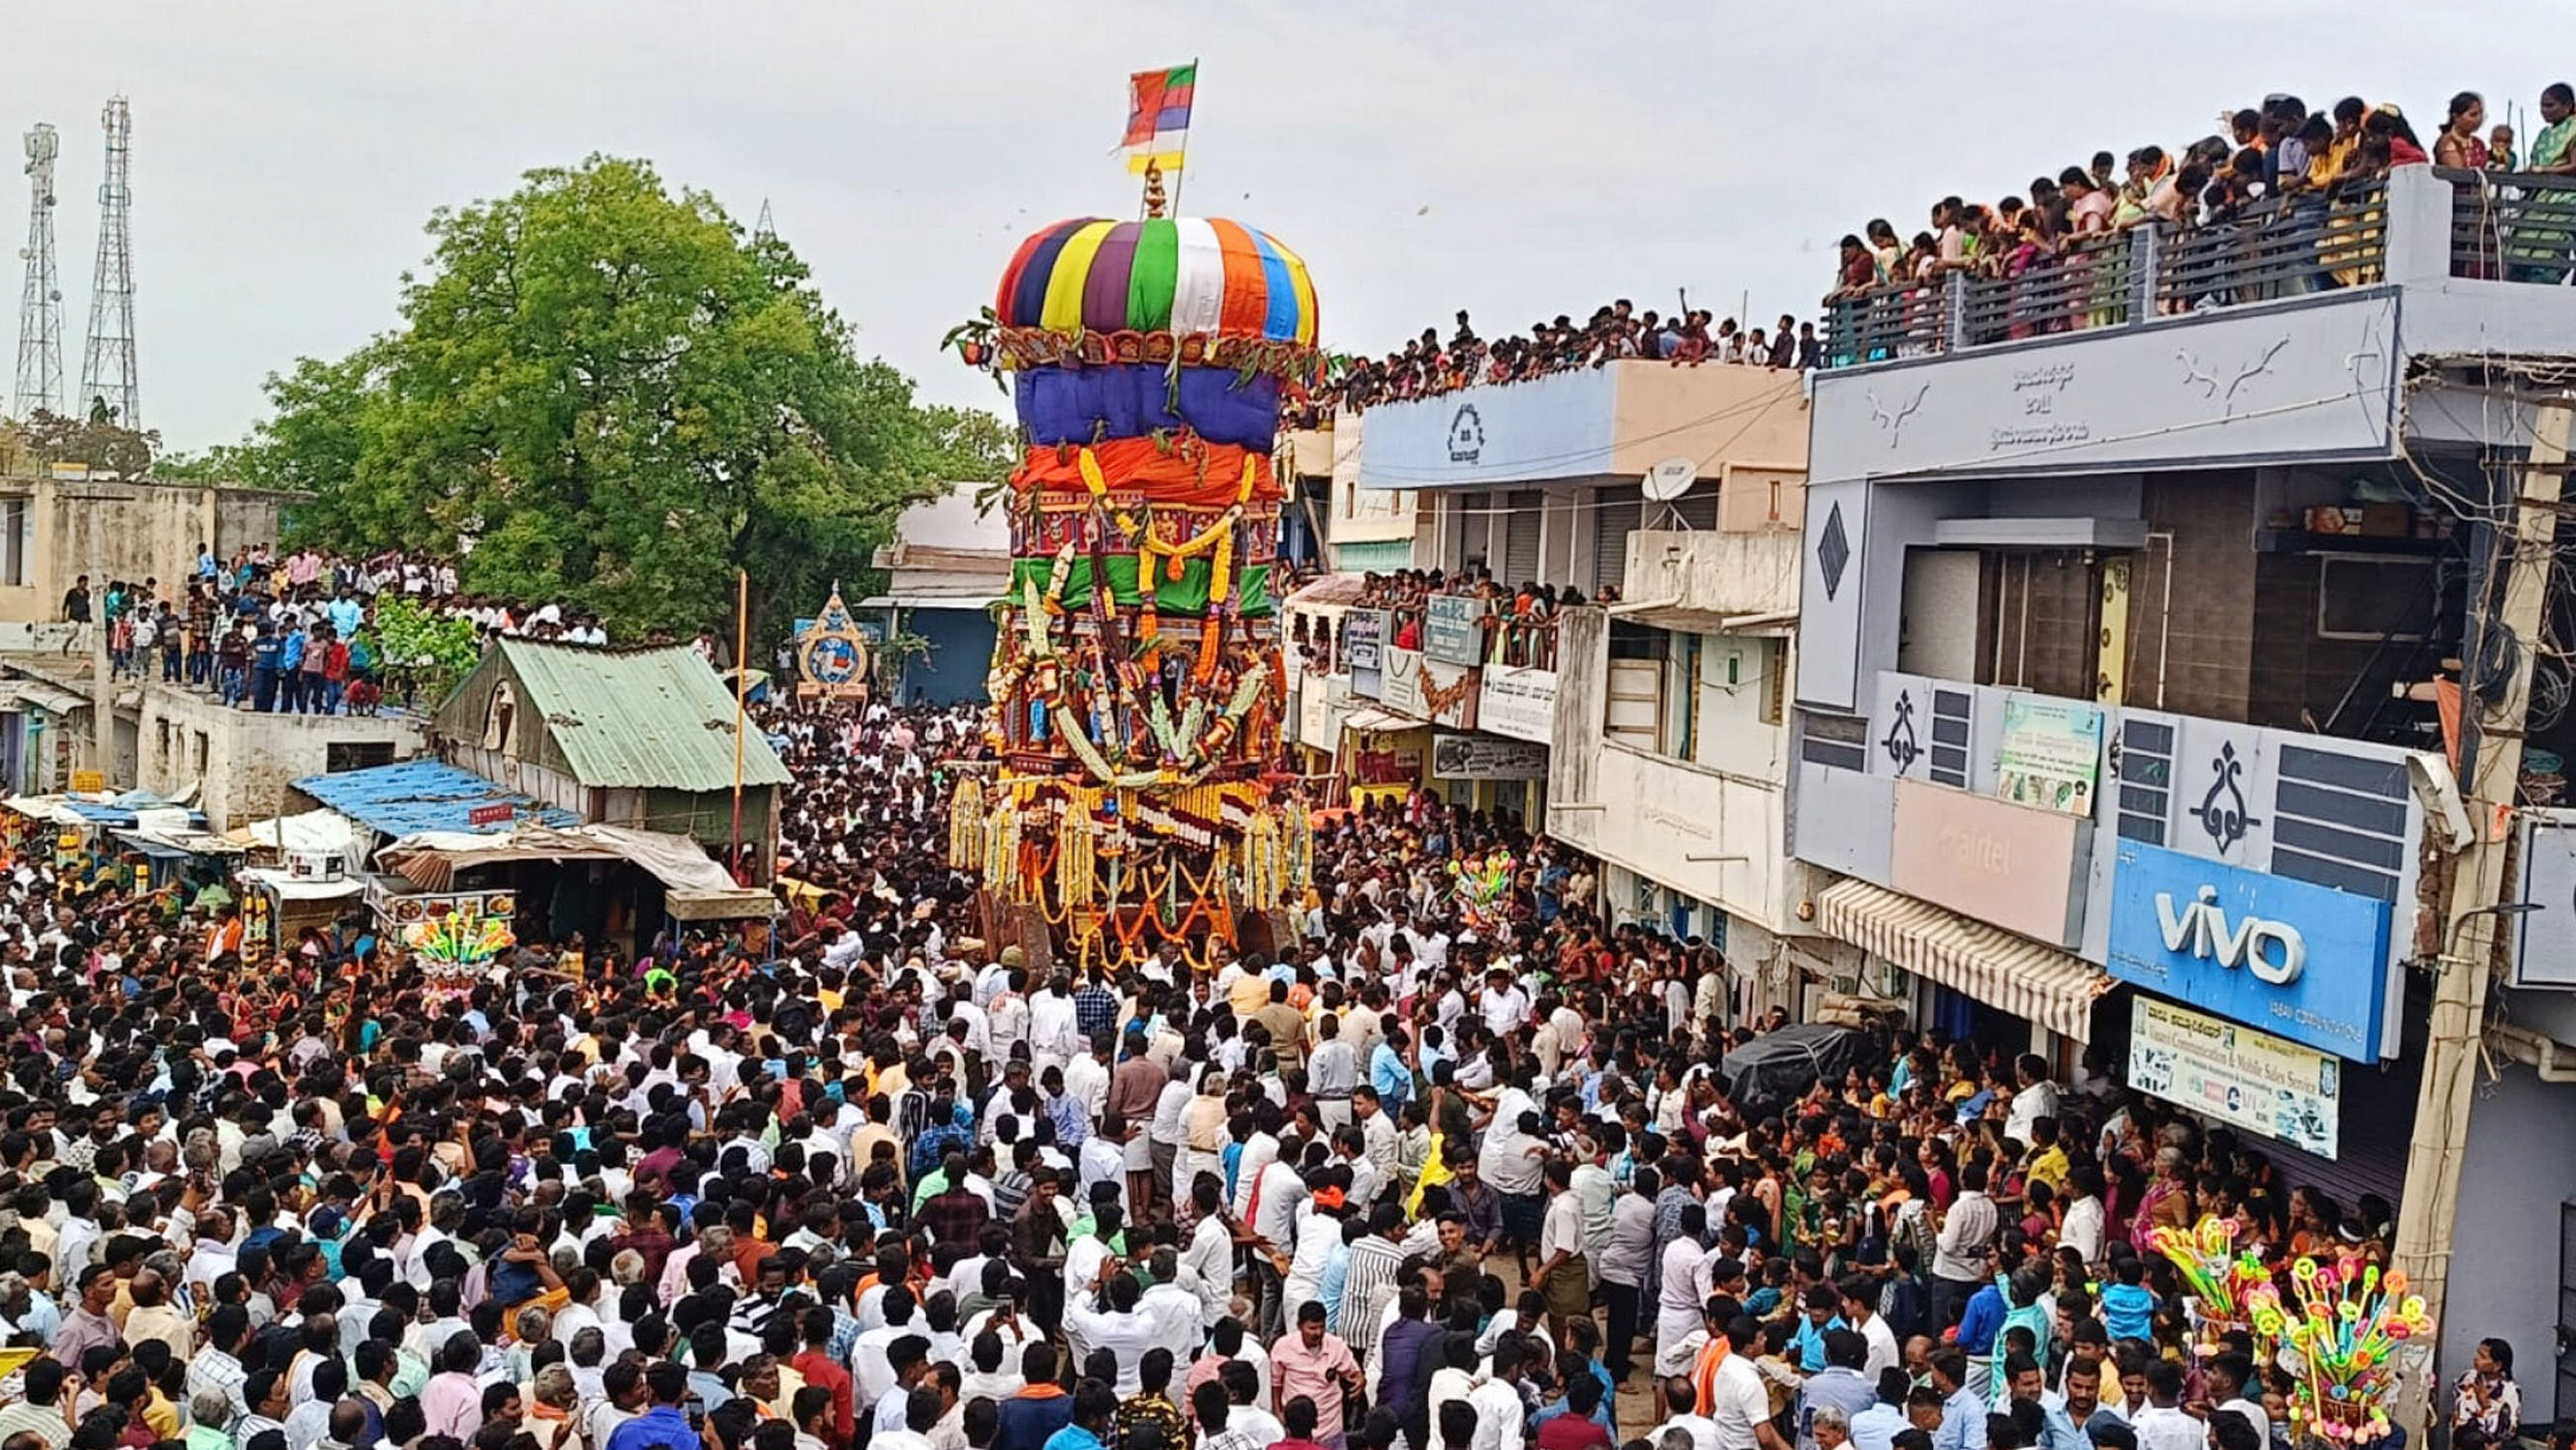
[(1158, 116)]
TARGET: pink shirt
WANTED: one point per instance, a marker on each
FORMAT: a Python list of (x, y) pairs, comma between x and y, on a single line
[(454, 1404), (1296, 1370)]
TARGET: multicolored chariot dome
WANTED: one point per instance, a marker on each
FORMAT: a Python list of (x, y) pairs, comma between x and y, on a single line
[(1138, 685)]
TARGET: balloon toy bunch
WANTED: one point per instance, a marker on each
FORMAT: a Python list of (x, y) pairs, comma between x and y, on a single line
[(2340, 1330), (2219, 1274)]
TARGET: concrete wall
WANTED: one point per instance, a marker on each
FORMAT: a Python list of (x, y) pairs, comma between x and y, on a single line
[(118, 530), (2513, 1180), (246, 759), (1724, 573)]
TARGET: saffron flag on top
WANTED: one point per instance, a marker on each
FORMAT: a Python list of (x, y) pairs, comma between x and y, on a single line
[(1158, 117)]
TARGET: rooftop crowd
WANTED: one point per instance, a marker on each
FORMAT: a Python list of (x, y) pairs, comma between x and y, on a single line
[(2275, 159), (1448, 1171), (295, 634), (1427, 367)]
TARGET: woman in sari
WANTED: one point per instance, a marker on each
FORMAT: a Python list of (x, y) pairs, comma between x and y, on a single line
[(2540, 254)]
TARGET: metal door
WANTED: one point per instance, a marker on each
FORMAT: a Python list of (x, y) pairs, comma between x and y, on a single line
[(2566, 1314)]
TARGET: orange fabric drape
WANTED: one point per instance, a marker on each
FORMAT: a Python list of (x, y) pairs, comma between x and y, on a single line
[(1208, 475)]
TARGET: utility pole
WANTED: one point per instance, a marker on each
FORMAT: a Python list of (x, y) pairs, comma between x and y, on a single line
[(2492, 744)]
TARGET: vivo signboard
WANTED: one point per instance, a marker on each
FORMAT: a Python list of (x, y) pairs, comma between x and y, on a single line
[(2303, 962)]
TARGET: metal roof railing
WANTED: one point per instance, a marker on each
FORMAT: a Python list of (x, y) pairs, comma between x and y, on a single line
[(2512, 227), (2293, 248)]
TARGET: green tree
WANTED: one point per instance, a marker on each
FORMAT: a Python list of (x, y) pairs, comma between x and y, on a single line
[(606, 393)]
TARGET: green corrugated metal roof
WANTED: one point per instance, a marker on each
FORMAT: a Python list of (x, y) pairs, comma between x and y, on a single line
[(639, 718)]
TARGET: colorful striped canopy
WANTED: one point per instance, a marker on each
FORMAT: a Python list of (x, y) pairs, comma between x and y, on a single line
[(1186, 276)]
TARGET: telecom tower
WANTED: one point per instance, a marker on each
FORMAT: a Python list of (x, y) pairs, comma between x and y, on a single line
[(107, 372), (40, 310)]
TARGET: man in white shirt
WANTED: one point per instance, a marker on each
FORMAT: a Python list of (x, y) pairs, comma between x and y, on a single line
[(1053, 1037), (1332, 1073), (1959, 1267), (2037, 1097), (2082, 1229), (1860, 1311), (1116, 1325), (2163, 1424), (1500, 1411), (1683, 1401), (1739, 1405), (1505, 1005)]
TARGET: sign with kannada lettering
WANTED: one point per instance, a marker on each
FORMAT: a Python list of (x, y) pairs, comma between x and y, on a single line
[(1482, 757), (1453, 629), (2235, 1074)]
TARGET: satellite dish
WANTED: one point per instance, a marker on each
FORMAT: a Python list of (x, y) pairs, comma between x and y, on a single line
[(1670, 479)]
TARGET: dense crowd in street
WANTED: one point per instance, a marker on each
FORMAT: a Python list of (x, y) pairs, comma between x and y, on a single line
[(295, 634), (1458, 1170)]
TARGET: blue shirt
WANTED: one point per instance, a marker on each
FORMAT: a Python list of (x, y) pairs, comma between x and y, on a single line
[(1389, 1076), (1963, 1423), (291, 654), (1847, 1390), (1981, 1321), (1074, 1437), (1875, 1428), (1810, 1342), (2126, 1309), (264, 652), (345, 614), (662, 1427)]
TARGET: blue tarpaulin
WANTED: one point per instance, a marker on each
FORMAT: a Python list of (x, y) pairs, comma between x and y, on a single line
[(425, 795)]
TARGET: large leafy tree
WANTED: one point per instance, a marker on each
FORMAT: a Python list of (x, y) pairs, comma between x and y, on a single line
[(619, 399)]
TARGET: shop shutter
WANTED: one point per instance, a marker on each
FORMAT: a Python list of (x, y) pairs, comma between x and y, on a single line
[(1473, 521), (1616, 513), (1520, 538), (1697, 509)]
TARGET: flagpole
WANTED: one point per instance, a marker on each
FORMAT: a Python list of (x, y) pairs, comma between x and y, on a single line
[(741, 692), (1180, 172)]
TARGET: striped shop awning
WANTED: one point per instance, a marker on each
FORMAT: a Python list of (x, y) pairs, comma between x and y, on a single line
[(2020, 976)]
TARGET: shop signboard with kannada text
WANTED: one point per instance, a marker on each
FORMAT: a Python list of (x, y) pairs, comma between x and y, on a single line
[(1453, 630), (1364, 633), (1425, 689), (1483, 757), (2050, 755), (1518, 702), (2237, 1075), (2306, 962)]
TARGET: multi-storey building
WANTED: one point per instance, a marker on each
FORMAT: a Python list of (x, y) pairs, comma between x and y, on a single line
[(2133, 598)]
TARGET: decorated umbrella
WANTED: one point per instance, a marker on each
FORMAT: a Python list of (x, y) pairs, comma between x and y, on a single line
[(1137, 682)]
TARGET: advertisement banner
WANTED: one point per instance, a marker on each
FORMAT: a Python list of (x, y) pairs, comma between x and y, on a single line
[(1416, 685), (2020, 869), (1453, 629), (1364, 636), (2051, 754), (2308, 962), (1518, 702), (1482, 757), (2239, 1076)]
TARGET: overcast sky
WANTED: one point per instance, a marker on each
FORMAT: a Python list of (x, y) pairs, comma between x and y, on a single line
[(1513, 158)]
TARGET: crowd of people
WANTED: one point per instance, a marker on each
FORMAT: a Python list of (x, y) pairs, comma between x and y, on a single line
[(1427, 367), (293, 634), (1451, 1169), (1517, 625), (2275, 164)]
